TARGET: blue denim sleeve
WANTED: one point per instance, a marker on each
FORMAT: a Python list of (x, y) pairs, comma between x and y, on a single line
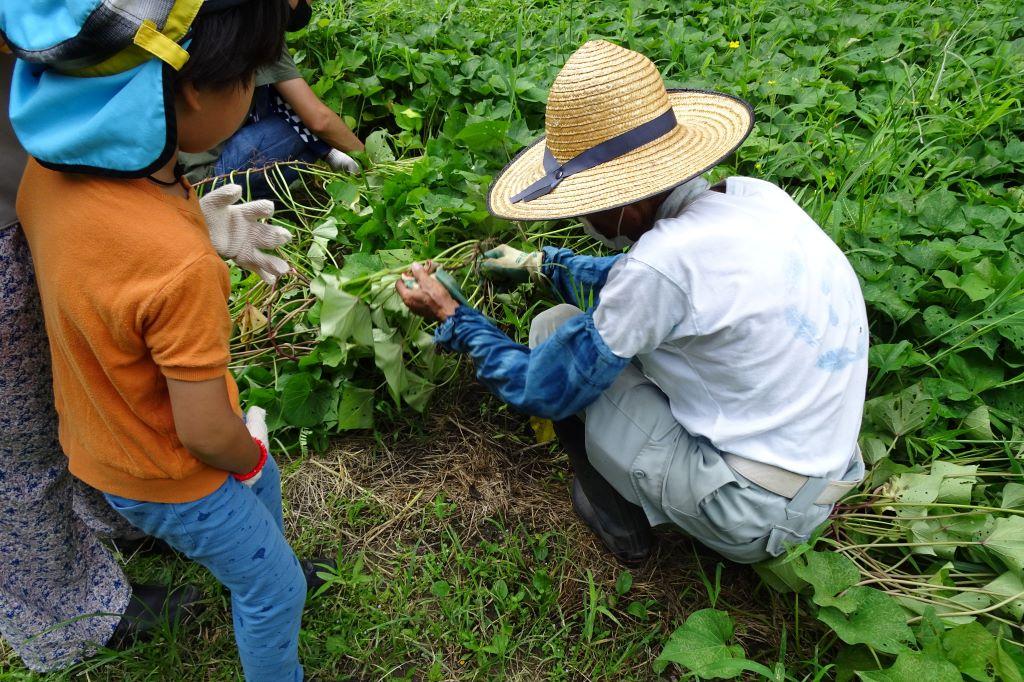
[(556, 379), (577, 277)]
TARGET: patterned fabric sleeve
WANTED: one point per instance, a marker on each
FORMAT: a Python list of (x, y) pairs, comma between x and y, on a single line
[(556, 379), (577, 279)]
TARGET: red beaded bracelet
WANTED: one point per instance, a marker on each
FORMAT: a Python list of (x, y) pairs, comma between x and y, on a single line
[(259, 465)]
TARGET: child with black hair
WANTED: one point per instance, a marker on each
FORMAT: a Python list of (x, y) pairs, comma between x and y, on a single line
[(287, 123), (135, 302)]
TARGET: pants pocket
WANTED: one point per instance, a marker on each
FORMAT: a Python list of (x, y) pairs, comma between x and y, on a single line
[(721, 511), (786, 534), (630, 433), (695, 472), (780, 539)]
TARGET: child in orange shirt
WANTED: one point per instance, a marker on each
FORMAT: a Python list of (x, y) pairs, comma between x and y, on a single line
[(135, 302)]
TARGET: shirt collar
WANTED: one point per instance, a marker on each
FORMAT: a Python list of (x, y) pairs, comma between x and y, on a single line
[(681, 197)]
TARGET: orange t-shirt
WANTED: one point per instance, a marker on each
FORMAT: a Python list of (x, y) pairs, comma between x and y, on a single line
[(132, 292)]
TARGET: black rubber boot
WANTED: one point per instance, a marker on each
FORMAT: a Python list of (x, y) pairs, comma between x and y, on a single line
[(310, 568), (621, 525), (150, 607), (144, 545)]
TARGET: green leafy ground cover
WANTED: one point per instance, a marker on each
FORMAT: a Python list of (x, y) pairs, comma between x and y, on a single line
[(898, 128)]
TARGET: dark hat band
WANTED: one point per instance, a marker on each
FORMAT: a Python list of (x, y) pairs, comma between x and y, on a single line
[(620, 145)]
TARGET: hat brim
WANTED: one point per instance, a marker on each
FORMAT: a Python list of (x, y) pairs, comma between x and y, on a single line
[(711, 126)]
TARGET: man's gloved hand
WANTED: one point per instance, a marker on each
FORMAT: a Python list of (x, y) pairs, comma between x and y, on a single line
[(239, 231), (512, 265), (256, 422), (340, 161)]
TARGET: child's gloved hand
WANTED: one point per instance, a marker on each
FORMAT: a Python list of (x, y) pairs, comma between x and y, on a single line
[(239, 231), (256, 422), (340, 161)]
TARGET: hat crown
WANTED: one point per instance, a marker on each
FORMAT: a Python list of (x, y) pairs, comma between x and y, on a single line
[(74, 35), (602, 91)]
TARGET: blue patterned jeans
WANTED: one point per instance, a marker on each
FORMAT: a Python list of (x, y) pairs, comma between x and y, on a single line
[(61, 591), (238, 534), (267, 140)]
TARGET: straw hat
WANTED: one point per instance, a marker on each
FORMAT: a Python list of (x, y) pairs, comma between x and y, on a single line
[(608, 94)]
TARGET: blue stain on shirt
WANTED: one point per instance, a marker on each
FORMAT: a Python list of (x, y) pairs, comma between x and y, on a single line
[(838, 359), (260, 553), (833, 316), (794, 268), (803, 328), (203, 516)]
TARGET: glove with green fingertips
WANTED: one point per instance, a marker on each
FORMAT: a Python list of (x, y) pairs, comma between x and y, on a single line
[(511, 265)]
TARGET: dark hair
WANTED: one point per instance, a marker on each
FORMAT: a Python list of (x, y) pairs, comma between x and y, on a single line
[(229, 45)]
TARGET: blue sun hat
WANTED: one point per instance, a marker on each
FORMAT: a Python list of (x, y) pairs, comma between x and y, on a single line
[(93, 86)]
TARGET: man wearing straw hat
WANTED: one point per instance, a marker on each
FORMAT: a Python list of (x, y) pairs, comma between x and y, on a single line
[(712, 378)]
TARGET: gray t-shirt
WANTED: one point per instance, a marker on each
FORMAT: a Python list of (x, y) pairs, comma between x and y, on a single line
[(12, 156)]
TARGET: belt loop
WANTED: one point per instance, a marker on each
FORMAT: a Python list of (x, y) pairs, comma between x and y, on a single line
[(806, 496)]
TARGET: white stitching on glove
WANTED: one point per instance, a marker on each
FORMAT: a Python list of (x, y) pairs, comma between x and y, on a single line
[(239, 231)]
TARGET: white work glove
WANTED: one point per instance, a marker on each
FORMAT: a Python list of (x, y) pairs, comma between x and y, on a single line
[(239, 231), (256, 422), (512, 265), (340, 161)]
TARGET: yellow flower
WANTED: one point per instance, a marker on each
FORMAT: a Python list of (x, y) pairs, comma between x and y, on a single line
[(771, 82), (733, 44)]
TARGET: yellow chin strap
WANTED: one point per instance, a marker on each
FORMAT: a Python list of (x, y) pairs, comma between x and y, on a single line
[(151, 42)]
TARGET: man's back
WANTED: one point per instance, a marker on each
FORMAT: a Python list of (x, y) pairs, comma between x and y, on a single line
[(753, 325), (132, 293)]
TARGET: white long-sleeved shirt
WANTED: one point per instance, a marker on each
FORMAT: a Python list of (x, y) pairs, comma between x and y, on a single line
[(751, 320)]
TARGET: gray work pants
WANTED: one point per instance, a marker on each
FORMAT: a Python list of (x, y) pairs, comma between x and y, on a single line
[(635, 442)]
